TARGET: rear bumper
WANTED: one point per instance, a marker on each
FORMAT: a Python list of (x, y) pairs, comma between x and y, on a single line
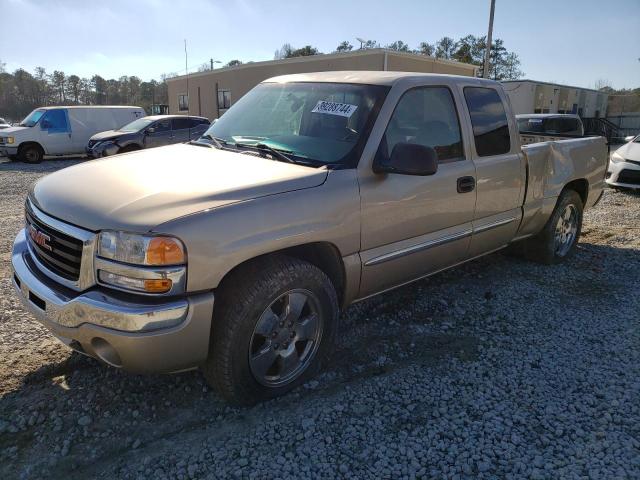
[(138, 335)]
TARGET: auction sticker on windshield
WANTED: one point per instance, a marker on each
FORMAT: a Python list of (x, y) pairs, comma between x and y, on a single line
[(333, 108)]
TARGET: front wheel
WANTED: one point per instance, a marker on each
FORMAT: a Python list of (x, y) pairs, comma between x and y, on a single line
[(31, 154), (273, 328)]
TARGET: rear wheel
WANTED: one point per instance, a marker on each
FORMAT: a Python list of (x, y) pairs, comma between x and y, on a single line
[(559, 237), (31, 153), (273, 329)]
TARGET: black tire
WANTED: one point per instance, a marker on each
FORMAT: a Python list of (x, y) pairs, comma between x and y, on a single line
[(241, 301), (13, 158), (31, 153), (543, 247)]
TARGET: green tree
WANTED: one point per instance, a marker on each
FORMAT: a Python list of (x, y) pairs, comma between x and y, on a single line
[(305, 51), (445, 48), (344, 47), (399, 46), (233, 63), (425, 48)]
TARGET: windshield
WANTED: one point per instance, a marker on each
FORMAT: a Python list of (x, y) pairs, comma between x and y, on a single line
[(32, 118), (322, 122), (136, 125)]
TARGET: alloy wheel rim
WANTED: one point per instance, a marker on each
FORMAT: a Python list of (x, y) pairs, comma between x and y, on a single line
[(566, 230), (286, 338)]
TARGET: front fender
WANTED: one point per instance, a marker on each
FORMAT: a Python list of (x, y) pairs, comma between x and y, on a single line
[(220, 239)]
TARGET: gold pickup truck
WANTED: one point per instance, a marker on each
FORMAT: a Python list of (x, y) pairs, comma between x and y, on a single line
[(236, 252)]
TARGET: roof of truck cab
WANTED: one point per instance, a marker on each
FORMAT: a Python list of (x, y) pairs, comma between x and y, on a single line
[(372, 77)]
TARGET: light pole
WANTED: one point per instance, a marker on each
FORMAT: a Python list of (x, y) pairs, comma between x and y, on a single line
[(214, 61), (487, 52), (362, 41)]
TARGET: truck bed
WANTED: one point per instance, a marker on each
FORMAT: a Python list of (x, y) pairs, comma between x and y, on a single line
[(551, 165)]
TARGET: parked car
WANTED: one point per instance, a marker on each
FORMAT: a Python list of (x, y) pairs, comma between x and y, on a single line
[(539, 127), (61, 130), (624, 167), (147, 132), (4, 124), (235, 253)]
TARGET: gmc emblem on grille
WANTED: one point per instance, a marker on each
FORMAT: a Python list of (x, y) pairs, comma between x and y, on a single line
[(39, 238)]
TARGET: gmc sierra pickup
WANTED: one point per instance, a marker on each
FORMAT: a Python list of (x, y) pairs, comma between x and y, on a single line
[(235, 253)]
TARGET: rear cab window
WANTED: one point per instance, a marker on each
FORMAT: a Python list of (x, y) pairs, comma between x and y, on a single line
[(489, 121)]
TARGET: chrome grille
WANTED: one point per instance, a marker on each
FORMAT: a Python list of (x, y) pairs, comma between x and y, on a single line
[(57, 251)]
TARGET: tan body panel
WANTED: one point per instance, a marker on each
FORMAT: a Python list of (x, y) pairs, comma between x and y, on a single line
[(220, 239)]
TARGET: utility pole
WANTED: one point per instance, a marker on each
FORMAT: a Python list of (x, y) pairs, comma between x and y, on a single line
[(186, 72), (211, 61), (487, 52)]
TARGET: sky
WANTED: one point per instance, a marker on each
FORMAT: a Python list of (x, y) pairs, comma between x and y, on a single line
[(576, 42)]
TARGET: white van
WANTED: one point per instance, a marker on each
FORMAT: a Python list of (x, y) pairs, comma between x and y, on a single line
[(62, 130)]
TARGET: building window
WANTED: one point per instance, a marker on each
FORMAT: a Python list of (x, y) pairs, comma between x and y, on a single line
[(224, 99), (183, 102)]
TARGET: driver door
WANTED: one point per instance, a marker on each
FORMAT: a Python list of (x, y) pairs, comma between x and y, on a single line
[(159, 135), (56, 132), (416, 225)]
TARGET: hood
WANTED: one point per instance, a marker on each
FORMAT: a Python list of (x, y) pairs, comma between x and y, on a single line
[(109, 134), (139, 190), (10, 130), (629, 151)]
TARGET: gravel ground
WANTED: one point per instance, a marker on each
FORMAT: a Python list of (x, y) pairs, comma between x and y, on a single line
[(497, 369)]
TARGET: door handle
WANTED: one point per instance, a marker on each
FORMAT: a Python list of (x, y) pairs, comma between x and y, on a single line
[(466, 184)]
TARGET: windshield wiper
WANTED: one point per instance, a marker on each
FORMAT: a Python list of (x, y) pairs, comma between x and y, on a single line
[(263, 147), (217, 142)]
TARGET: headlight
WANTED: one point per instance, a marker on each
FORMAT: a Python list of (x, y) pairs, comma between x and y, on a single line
[(616, 157), (11, 140), (141, 249)]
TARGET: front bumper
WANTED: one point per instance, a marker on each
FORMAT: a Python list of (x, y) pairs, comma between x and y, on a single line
[(623, 174), (6, 150), (124, 331), (100, 150)]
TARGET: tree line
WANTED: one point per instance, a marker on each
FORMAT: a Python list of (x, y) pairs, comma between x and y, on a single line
[(504, 65), (22, 91)]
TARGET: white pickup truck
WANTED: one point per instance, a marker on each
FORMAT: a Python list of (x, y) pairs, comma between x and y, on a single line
[(235, 253)]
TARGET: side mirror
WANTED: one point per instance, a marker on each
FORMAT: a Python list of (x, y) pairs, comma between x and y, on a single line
[(410, 159), (629, 138), (150, 130)]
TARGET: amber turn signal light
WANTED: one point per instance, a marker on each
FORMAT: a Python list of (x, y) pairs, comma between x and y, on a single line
[(165, 251)]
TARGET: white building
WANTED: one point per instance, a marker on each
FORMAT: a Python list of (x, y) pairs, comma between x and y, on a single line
[(531, 96)]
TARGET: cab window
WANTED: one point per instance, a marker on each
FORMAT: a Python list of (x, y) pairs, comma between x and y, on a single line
[(425, 116), (489, 121), (55, 121)]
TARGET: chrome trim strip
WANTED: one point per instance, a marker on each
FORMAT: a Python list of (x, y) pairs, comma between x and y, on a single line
[(497, 223), (87, 277), (177, 275), (417, 248), (437, 242)]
